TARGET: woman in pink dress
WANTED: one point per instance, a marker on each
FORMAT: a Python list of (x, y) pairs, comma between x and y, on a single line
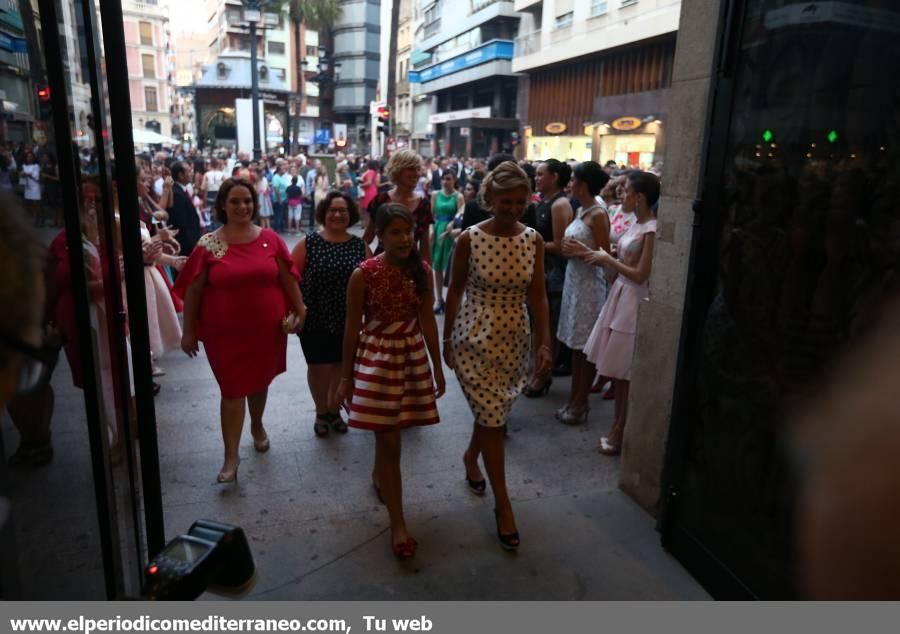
[(611, 344), (239, 287), (369, 185)]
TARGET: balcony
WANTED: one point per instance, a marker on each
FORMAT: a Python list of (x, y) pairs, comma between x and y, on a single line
[(432, 28), (528, 44), (522, 5)]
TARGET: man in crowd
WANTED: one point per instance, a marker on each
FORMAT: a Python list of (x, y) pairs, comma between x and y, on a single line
[(182, 213)]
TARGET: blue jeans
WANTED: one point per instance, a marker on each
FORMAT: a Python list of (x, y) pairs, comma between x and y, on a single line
[(278, 216)]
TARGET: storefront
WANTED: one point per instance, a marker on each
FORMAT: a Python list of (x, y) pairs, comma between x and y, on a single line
[(633, 141), (610, 106)]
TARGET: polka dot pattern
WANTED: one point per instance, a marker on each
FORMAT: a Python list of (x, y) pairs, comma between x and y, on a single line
[(325, 278), (492, 333)]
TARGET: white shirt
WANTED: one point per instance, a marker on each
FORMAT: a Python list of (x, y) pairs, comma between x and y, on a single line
[(31, 176)]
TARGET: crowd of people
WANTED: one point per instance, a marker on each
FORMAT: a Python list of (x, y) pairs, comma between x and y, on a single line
[(537, 269)]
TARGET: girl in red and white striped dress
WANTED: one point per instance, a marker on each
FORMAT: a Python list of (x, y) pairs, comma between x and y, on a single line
[(387, 382)]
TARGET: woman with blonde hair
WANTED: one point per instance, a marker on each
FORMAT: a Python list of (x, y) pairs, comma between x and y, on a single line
[(499, 264), (403, 170)]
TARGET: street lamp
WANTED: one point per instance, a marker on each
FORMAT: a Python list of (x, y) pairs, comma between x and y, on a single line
[(253, 15)]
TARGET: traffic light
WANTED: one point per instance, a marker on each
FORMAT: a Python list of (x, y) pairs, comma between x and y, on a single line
[(45, 109), (384, 114)]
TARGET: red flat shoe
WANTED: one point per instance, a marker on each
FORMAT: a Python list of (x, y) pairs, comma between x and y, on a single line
[(405, 550), (609, 396), (597, 387)]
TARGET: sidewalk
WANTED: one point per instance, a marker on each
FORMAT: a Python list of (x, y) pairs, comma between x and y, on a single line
[(318, 532)]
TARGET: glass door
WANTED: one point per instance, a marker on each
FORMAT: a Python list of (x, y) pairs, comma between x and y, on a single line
[(793, 255), (83, 476)]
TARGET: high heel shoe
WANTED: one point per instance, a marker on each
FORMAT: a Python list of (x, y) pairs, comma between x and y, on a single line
[(508, 541), (531, 392), (575, 416), (558, 414), (262, 446), (607, 448), (405, 550), (478, 487), (227, 477)]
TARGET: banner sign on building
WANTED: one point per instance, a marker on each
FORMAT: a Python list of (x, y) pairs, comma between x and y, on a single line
[(495, 49), (340, 134), (475, 113), (13, 44), (627, 124), (306, 131), (323, 136)]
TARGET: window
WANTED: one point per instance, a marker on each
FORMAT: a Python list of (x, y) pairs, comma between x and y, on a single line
[(599, 7), (150, 103), (276, 48), (312, 51), (146, 33), (563, 21), (221, 70), (149, 64)]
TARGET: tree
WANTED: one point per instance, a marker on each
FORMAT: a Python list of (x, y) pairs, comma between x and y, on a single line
[(318, 15)]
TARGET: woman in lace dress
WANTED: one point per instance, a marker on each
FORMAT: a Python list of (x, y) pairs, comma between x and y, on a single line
[(584, 290)]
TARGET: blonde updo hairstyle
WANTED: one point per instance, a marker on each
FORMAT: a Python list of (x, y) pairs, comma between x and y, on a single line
[(505, 177), (402, 160)]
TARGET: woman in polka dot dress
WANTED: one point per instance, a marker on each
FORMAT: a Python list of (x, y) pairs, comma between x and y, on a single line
[(387, 382), (499, 263)]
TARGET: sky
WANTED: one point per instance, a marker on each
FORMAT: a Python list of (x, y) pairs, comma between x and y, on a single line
[(187, 16)]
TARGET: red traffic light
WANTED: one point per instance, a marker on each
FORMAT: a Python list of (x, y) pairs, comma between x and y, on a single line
[(44, 93)]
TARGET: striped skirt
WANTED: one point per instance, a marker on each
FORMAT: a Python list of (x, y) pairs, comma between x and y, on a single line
[(392, 386)]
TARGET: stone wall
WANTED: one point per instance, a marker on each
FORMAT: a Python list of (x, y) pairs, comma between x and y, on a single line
[(659, 322)]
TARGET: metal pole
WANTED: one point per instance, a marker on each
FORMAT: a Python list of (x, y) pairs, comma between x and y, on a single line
[(254, 86)]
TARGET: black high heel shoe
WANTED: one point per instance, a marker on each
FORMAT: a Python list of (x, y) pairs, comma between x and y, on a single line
[(508, 541), (531, 392), (477, 487)]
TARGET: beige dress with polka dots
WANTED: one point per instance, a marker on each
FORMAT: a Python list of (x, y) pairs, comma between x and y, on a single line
[(492, 332)]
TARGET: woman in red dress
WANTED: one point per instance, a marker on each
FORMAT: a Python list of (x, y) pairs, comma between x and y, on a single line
[(239, 286)]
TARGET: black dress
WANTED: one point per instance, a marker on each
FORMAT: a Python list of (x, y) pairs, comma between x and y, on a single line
[(326, 275)]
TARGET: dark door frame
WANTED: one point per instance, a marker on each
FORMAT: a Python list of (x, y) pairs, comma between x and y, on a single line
[(710, 571), (145, 491)]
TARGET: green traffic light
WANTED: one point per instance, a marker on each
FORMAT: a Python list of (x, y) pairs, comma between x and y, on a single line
[(832, 136), (768, 136)]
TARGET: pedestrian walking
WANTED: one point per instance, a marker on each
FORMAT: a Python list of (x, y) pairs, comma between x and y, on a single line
[(386, 382), (499, 264), (445, 204), (239, 287), (403, 169), (325, 261)]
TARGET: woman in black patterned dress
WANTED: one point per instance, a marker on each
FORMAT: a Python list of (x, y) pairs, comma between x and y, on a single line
[(326, 260)]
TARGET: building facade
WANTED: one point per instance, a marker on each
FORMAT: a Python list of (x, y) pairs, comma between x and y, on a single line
[(228, 32), (466, 86), (597, 78), (150, 64), (403, 106), (356, 53), (18, 97)]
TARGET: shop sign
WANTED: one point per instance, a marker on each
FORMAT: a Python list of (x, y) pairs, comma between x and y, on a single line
[(557, 127), (627, 124), (475, 113)]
